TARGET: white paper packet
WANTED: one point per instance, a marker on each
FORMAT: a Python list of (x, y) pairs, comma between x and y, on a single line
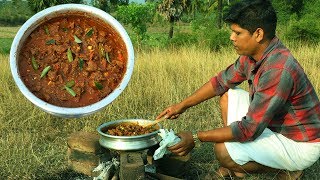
[(168, 139)]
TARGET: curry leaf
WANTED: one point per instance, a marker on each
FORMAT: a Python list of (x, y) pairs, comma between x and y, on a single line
[(51, 41), (98, 85), (81, 62), (89, 32), (76, 39)]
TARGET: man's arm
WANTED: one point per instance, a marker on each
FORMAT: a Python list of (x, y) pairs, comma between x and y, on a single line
[(202, 94)]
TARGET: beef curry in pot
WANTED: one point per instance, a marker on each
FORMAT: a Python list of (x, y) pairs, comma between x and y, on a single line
[(72, 61)]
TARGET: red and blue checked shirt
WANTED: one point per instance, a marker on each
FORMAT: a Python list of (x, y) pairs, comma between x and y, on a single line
[(281, 96)]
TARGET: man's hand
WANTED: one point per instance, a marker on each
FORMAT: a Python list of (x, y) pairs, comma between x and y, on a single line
[(172, 112), (184, 146)]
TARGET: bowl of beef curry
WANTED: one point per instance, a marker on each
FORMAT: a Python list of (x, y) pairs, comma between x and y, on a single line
[(71, 60)]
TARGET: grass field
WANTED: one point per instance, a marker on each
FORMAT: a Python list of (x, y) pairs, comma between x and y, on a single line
[(33, 143)]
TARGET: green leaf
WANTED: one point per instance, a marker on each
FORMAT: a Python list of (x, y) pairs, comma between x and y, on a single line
[(69, 54), (70, 91), (98, 85), (70, 84), (51, 41), (81, 62), (76, 39), (34, 63), (45, 71), (89, 32)]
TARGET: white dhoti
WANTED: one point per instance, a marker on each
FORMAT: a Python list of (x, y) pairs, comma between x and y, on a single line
[(270, 149)]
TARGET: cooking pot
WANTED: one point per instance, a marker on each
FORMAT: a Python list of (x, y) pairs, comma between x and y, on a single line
[(65, 10), (128, 143)]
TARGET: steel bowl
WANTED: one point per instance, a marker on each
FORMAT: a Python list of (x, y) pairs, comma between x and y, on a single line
[(63, 10), (128, 143)]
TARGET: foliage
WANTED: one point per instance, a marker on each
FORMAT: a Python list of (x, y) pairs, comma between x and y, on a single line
[(14, 12), (138, 16), (218, 39), (209, 34), (109, 5), (183, 39), (305, 29), (38, 5)]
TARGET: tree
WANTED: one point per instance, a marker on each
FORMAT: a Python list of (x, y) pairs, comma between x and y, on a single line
[(137, 15), (38, 5), (172, 11)]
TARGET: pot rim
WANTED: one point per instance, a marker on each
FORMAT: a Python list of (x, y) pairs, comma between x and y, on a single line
[(48, 14)]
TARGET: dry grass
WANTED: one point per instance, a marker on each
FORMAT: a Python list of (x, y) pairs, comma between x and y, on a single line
[(33, 143)]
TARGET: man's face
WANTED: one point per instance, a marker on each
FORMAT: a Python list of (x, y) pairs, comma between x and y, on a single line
[(244, 42)]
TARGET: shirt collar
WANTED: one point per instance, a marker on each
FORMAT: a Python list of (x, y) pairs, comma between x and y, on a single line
[(273, 44)]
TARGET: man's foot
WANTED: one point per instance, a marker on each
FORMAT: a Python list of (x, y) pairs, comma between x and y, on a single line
[(290, 175)]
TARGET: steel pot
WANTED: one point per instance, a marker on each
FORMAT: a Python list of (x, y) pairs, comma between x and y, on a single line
[(128, 143), (63, 10)]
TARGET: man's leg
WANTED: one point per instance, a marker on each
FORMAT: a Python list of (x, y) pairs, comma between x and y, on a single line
[(226, 161), (224, 108)]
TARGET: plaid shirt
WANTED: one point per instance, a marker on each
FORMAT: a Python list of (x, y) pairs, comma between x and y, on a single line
[(281, 96)]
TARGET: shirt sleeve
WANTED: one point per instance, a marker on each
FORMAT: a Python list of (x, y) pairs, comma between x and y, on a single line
[(230, 77), (271, 94)]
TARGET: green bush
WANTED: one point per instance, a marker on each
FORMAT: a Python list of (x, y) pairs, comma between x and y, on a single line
[(306, 29), (14, 14), (207, 32), (217, 39), (137, 16), (183, 39)]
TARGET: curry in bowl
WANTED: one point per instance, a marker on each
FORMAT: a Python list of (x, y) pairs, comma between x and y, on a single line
[(72, 61)]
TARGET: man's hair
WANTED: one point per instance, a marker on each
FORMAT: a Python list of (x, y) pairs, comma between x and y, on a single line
[(253, 14)]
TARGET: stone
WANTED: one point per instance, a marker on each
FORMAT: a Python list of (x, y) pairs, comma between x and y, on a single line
[(85, 142), (85, 153), (131, 166)]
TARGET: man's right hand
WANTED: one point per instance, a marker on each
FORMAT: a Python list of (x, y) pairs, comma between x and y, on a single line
[(172, 112)]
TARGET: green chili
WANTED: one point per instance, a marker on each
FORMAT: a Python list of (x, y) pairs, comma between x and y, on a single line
[(69, 54), (34, 63), (76, 39), (108, 58), (70, 91), (89, 32), (45, 71), (70, 84), (51, 41), (98, 85), (101, 50), (46, 30)]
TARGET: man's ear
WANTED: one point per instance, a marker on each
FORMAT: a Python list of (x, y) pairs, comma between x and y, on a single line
[(259, 34)]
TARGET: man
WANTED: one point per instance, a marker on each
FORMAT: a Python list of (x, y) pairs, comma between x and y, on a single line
[(276, 125)]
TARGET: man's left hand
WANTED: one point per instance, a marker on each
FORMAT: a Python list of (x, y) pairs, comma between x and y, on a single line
[(185, 145)]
